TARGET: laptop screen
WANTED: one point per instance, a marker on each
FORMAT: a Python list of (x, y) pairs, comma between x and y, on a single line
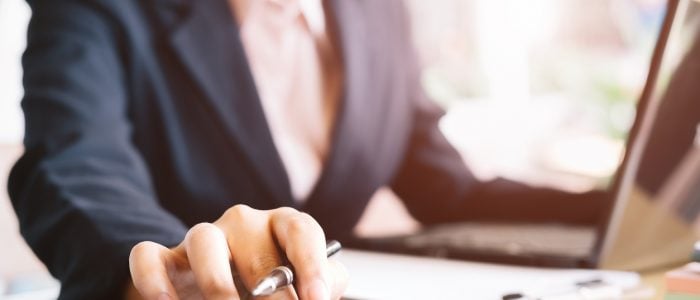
[(668, 169), (657, 184)]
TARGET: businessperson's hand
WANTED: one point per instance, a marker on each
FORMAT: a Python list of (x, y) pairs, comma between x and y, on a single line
[(249, 240)]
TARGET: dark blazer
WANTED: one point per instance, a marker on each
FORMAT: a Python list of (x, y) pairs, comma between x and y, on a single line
[(142, 119)]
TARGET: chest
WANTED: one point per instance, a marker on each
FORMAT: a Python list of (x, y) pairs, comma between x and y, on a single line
[(200, 125)]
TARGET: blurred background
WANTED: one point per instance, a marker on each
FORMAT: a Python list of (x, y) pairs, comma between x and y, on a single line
[(19, 269), (542, 91), (14, 16)]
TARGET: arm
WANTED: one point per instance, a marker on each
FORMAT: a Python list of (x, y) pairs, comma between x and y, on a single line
[(85, 201), (81, 191), (436, 185)]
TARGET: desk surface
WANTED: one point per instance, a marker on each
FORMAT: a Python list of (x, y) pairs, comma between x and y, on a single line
[(656, 279), (388, 276)]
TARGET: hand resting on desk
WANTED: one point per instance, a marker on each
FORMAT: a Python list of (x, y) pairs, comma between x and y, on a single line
[(249, 239)]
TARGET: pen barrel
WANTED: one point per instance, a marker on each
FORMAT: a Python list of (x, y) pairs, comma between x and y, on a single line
[(284, 275), (332, 248), (279, 277)]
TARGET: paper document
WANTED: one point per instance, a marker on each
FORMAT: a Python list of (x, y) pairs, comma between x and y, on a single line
[(389, 276)]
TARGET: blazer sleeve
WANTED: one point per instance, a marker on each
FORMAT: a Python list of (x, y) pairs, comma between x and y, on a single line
[(436, 185), (81, 191)]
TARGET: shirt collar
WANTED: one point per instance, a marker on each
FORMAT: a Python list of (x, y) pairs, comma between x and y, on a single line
[(311, 10)]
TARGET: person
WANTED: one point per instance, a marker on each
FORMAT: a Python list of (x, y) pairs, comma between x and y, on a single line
[(167, 140)]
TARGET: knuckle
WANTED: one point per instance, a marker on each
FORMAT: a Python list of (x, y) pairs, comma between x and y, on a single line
[(297, 225), (285, 211), (308, 218), (237, 212), (302, 224), (201, 230), (142, 248)]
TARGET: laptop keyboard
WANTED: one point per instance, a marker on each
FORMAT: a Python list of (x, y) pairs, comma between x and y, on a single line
[(521, 239)]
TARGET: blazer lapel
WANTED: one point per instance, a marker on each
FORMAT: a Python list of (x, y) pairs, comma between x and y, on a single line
[(207, 42), (346, 155)]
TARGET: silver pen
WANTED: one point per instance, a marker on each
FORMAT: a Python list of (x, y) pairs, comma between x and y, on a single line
[(283, 276)]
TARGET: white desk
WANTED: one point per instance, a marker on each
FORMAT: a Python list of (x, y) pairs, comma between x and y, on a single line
[(385, 276)]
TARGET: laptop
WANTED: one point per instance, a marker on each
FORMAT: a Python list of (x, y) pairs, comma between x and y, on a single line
[(638, 232)]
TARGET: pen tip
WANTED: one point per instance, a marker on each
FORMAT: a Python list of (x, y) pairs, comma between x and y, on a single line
[(279, 277), (264, 288)]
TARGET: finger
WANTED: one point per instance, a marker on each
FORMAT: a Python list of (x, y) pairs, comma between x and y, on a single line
[(303, 241), (339, 278), (209, 258), (147, 263), (252, 247)]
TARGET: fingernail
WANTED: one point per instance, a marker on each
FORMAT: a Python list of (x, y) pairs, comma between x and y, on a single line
[(164, 296), (318, 290)]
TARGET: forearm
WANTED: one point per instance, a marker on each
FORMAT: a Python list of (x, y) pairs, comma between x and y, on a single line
[(509, 201), (83, 227)]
